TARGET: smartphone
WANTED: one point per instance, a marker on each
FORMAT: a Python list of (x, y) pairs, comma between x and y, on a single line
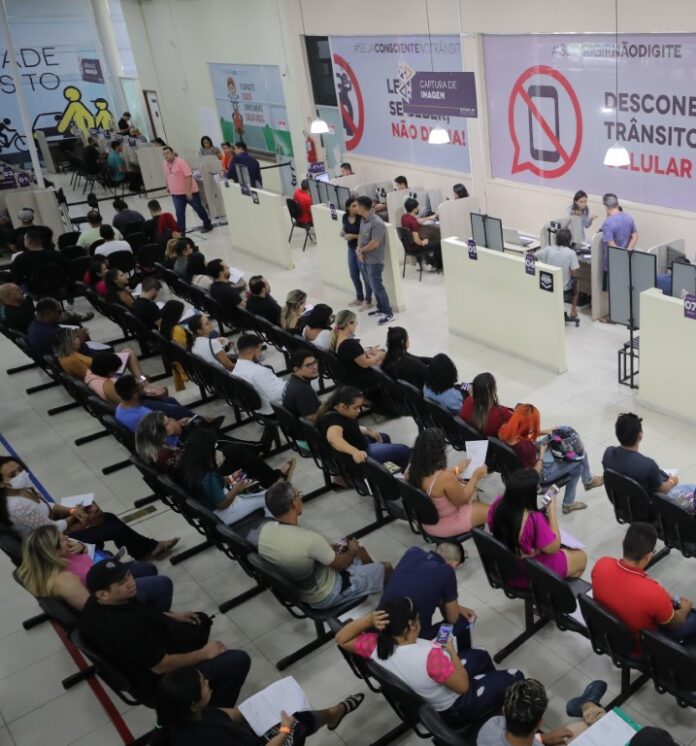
[(552, 491), (444, 634), (676, 602), (541, 147)]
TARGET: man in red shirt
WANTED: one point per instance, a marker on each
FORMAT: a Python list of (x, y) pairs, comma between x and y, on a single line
[(412, 222), (184, 190), (640, 602), (304, 201), (162, 226)]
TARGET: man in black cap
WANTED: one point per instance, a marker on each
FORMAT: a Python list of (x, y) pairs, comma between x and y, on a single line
[(145, 643)]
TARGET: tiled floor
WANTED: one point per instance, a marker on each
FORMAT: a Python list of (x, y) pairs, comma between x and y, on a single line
[(33, 705)]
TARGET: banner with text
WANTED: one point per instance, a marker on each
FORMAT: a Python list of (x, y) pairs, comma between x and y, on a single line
[(552, 113), (374, 77)]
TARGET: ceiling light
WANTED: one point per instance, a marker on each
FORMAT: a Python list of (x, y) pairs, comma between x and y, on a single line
[(319, 127), (438, 136), (617, 156)]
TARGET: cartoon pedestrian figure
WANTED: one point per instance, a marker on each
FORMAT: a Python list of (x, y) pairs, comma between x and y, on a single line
[(103, 119), (238, 121), (75, 112)]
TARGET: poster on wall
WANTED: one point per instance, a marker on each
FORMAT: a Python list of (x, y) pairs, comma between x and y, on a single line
[(60, 74), (251, 106), (553, 106), (374, 75)]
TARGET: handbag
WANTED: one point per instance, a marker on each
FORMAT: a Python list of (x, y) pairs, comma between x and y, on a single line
[(565, 444)]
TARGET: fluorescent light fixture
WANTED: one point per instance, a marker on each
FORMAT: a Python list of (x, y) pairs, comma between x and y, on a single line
[(607, 110), (617, 156), (319, 127), (438, 136)]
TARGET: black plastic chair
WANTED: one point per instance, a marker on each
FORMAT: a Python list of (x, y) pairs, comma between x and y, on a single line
[(288, 596), (149, 256), (73, 252), (238, 548), (502, 569), (456, 431), (294, 210), (412, 250), (123, 260), (50, 280), (135, 227), (77, 267), (422, 513), (68, 239), (136, 240), (385, 491), (677, 526), (672, 667), (416, 405)]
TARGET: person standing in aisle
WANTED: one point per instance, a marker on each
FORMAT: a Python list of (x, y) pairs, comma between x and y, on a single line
[(184, 190), (371, 251)]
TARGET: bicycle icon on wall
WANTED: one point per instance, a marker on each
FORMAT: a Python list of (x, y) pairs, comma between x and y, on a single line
[(10, 139)]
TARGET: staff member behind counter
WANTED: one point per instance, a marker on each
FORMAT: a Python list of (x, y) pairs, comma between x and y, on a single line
[(561, 255)]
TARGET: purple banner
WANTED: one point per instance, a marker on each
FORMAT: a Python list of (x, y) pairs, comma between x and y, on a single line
[(473, 251), (529, 263), (690, 306), (91, 71), (443, 94)]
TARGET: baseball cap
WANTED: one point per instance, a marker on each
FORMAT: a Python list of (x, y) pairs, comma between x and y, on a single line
[(652, 737), (102, 574), (610, 200), (26, 213)]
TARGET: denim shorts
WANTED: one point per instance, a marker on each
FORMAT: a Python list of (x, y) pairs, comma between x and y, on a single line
[(365, 580)]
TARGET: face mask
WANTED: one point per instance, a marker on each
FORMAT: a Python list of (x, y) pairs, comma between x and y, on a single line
[(21, 481)]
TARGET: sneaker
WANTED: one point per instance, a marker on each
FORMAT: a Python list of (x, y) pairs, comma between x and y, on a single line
[(365, 305), (356, 302), (207, 228), (596, 482), (573, 506), (376, 312), (386, 319), (430, 268)]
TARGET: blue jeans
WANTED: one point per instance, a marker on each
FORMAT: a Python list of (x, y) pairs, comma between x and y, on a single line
[(180, 203), (226, 674), (170, 406), (555, 469), (388, 451), (684, 635), (355, 275), (153, 589), (374, 278), (112, 528)]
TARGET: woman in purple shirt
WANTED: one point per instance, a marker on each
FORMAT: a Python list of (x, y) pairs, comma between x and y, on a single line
[(527, 531)]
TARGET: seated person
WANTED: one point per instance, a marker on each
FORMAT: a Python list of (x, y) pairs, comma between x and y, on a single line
[(346, 169), (482, 409), (456, 502), (260, 302), (134, 404), (412, 223), (185, 716), (16, 309), (162, 225), (267, 384), (16, 235), (42, 332), (221, 493), (26, 509), (399, 363), (441, 383), (221, 290), (304, 201), (429, 579), (627, 460), (118, 169), (523, 716), (516, 520), (317, 329), (291, 315), (111, 244), (324, 575), (117, 290), (145, 644), (459, 685), (57, 566), (68, 345), (299, 397), (338, 422), (95, 276), (356, 360), (189, 261), (172, 330), (125, 217), (145, 307), (226, 158), (639, 601), (207, 345), (400, 184), (521, 432), (563, 256), (36, 254), (92, 234), (459, 191)]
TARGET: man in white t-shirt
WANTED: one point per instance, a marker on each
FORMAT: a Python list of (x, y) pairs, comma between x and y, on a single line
[(561, 255), (111, 245), (268, 385)]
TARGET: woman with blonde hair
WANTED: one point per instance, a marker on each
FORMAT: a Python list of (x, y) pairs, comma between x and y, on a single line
[(57, 566), (291, 313), (355, 358)]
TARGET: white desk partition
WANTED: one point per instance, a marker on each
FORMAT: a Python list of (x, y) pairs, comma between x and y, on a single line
[(493, 301), (667, 356), (210, 167), (350, 181), (43, 202), (260, 229), (395, 206), (600, 298), (150, 161), (667, 252), (366, 190), (333, 256), (455, 217)]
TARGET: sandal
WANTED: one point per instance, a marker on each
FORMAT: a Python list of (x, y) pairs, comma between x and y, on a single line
[(596, 482), (288, 469), (162, 548), (350, 703)]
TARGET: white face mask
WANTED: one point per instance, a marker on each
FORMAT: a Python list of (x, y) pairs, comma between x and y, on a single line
[(21, 481)]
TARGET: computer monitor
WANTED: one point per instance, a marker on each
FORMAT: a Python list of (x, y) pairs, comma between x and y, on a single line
[(323, 194), (478, 229), (323, 177), (343, 195), (683, 278), (331, 195), (314, 191), (494, 233)]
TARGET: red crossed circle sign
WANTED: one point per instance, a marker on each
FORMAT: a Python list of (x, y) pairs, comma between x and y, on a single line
[(351, 123), (566, 155)]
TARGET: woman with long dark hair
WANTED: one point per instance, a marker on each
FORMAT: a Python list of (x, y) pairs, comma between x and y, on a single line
[(579, 207), (456, 502), (95, 276), (399, 363), (351, 230), (185, 716), (441, 384), (459, 686), (317, 330), (482, 408), (117, 288), (516, 521)]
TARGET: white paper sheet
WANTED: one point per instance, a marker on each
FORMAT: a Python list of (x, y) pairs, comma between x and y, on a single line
[(235, 274), (568, 540), (476, 450), (137, 289), (97, 346), (671, 472), (611, 730), (78, 501), (262, 710)]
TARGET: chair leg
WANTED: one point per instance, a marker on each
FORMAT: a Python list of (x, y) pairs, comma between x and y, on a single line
[(191, 552), (21, 368), (34, 621), (117, 467), (90, 438), (531, 628), (240, 598), (657, 557), (323, 636), (142, 501), (70, 681), (291, 230), (63, 408), (304, 245), (403, 274), (628, 689), (396, 732), (42, 387)]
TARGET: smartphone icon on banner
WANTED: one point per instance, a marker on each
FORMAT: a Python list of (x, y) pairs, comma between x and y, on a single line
[(545, 98)]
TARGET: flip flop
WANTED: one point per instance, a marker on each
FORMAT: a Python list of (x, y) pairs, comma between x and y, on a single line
[(350, 703), (164, 547), (291, 464)]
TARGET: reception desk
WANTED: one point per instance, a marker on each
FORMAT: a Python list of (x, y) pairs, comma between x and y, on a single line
[(333, 262), (667, 356), (493, 301), (260, 229)]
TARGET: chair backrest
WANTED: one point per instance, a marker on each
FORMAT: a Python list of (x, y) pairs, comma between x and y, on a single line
[(453, 428), (553, 595), (293, 209), (49, 279), (68, 239), (630, 500), (406, 239), (236, 547), (77, 267), (180, 497), (11, 545), (135, 227), (135, 240), (676, 524), (329, 365), (499, 563), (392, 397), (282, 587), (149, 255), (123, 260), (73, 252), (94, 245), (384, 487), (321, 452), (122, 434), (504, 456), (672, 666), (291, 428), (416, 404), (60, 612), (608, 634), (419, 506)]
